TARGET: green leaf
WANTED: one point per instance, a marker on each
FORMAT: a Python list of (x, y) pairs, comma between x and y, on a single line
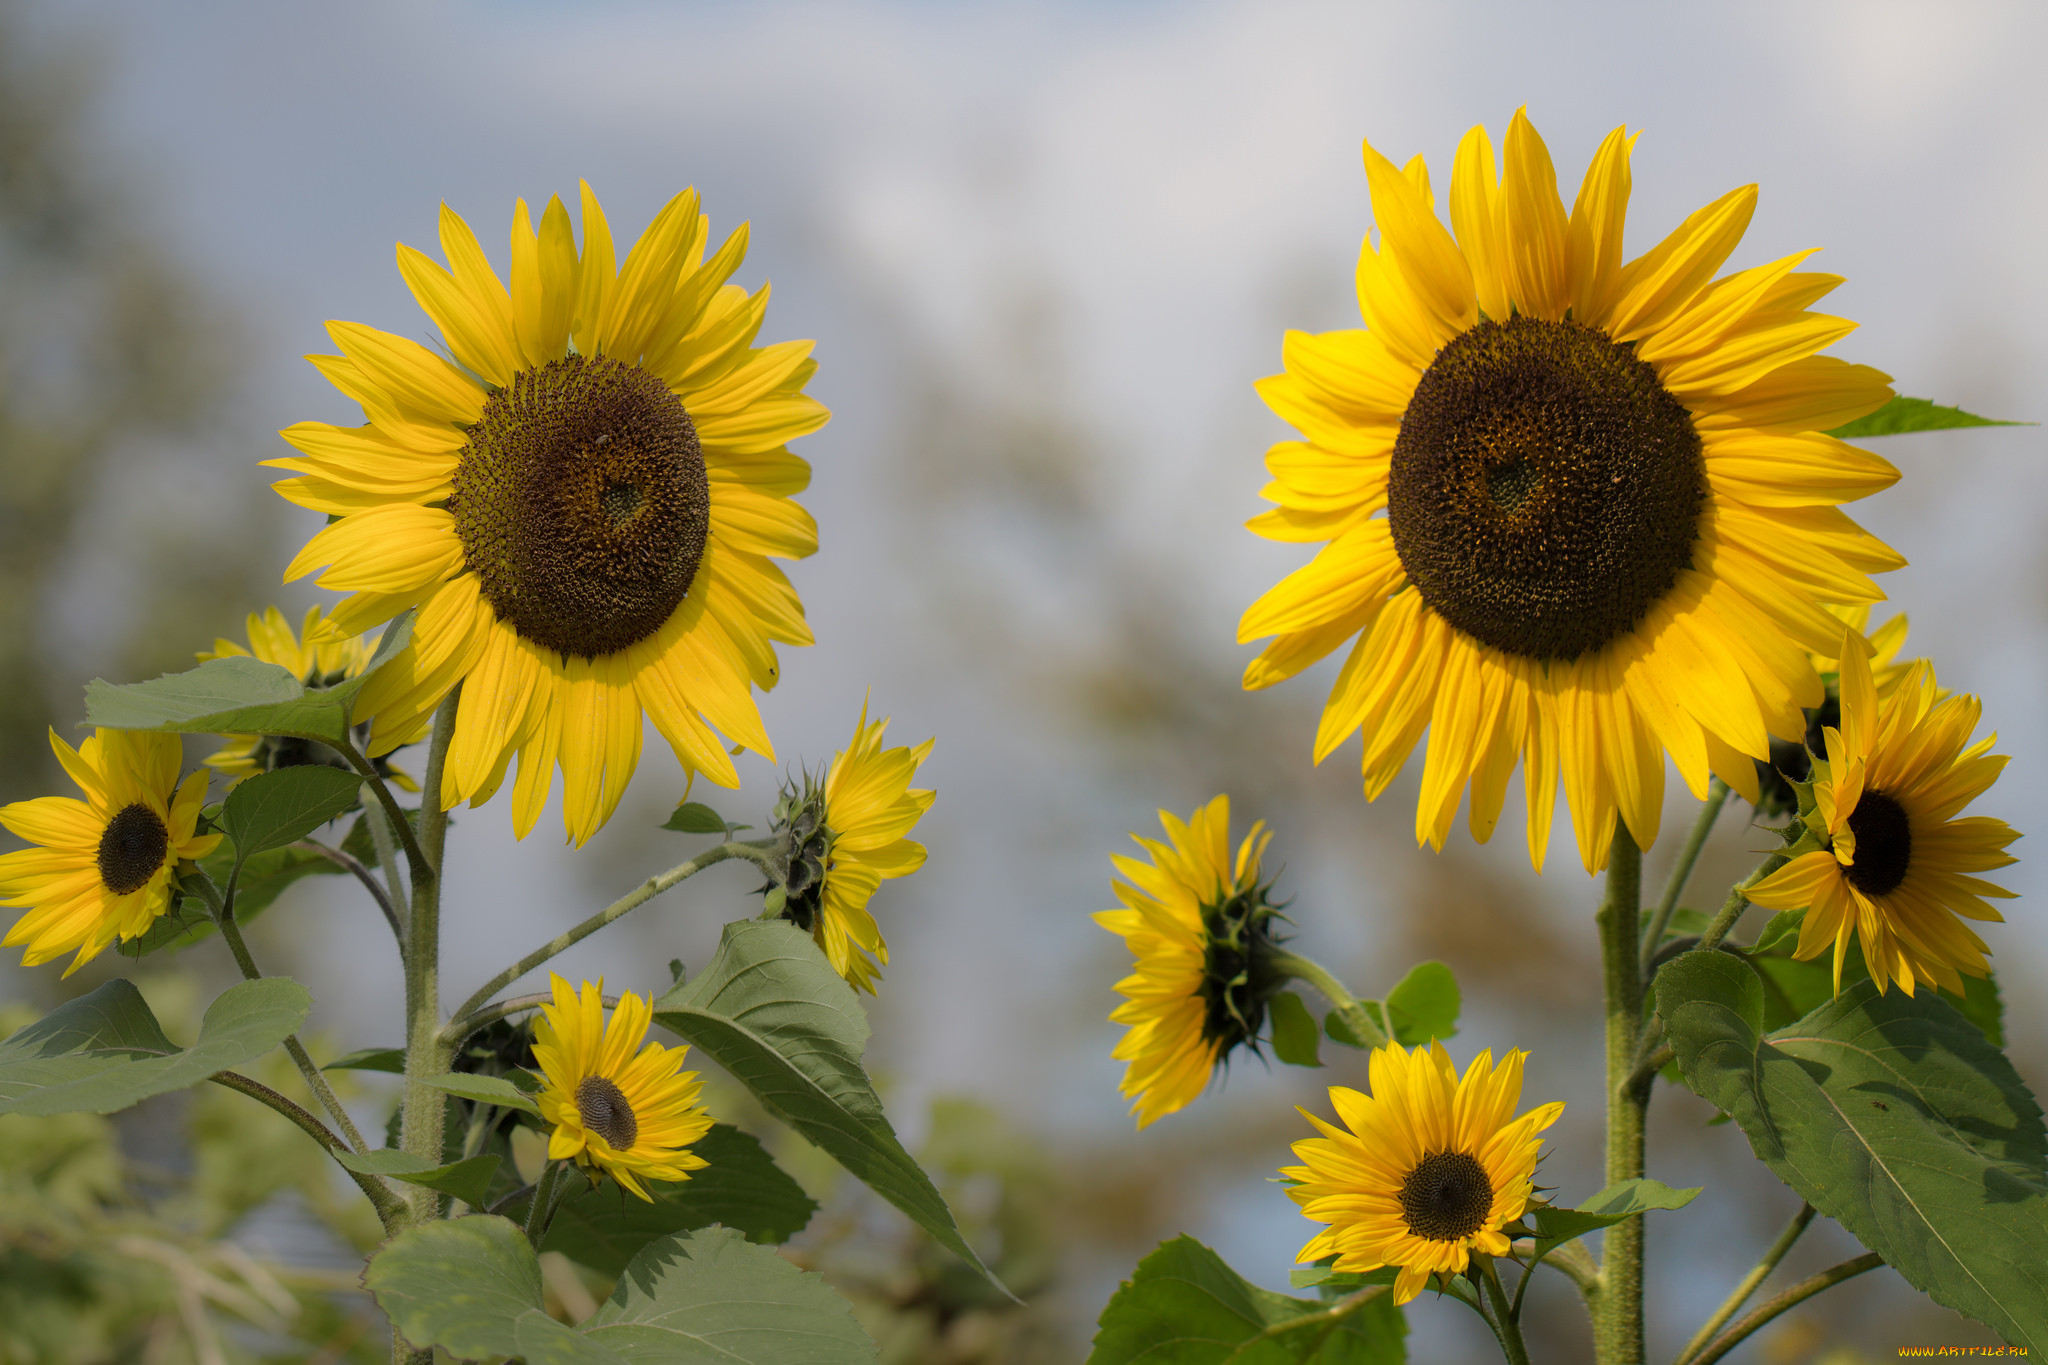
[(1294, 1030), (1424, 1005), (1794, 989), (742, 1188), (1184, 1306), (484, 1090), (1892, 1115), (271, 810), (770, 1010), (391, 1059), (1556, 1226), (1339, 1028), (105, 1051), (1903, 414), (466, 1180), (694, 817), (239, 696), (713, 1298), (471, 1286)]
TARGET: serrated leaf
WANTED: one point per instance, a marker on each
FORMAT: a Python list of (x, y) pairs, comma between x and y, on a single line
[(742, 1188), (239, 696), (1184, 1306), (1894, 1116), (770, 1010), (1556, 1226), (273, 809), (694, 817), (714, 1298), (471, 1286), (1903, 414), (1294, 1030), (105, 1051), (496, 1090), (1424, 1005), (466, 1180), (391, 1059)]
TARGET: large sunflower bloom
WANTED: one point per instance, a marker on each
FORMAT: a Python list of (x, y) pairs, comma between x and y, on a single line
[(103, 867), (317, 655), (1195, 920), (1425, 1171), (1896, 867), (1610, 524), (867, 806), (617, 1107), (582, 503)]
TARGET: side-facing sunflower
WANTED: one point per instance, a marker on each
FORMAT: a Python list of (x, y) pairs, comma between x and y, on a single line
[(1426, 1169), (582, 500), (1198, 922), (846, 838), (102, 868), (318, 656), (1610, 525), (1896, 865), (617, 1107)]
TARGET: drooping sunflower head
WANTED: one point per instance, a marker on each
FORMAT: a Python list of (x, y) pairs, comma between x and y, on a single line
[(844, 837), (1199, 923), (102, 867), (583, 502), (1425, 1170), (1774, 794), (1578, 510), (316, 654), (620, 1108), (1887, 860)]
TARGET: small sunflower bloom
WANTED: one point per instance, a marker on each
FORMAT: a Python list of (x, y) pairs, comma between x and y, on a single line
[(1424, 1171), (1897, 863), (582, 499), (318, 656), (846, 838), (1198, 922), (1772, 793), (625, 1110), (1577, 511), (102, 867)]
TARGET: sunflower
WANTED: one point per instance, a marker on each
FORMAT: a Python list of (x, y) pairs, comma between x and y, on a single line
[(1895, 867), (319, 657), (103, 867), (1426, 1170), (846, 838), (1198, 923), (617, 1107), (581, 500), (1610, 526)]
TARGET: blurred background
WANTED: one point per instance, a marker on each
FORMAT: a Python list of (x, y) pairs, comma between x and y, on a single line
[(1044, 249)]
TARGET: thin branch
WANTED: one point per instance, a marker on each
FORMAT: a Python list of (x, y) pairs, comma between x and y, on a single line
[(1681, 872), (392, 810), (472, 1024), (1737, 902), (1791, 1298), (459, 1026), (1323, 979), (350, 864), (1647, 1068), (1757, 1275), (389, 1209)]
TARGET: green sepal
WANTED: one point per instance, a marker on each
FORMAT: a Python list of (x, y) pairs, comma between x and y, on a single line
[(466, 1180), (1903, 414), (1294, 1030)]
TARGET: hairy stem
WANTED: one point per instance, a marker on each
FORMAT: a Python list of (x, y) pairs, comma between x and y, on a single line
[(1791, 1298), (1681, 872), (369, 880), (386, 845), (1618, 1312), (425, 1108), (1506, 1328), (415, 856), (757, 852), (1323, 979), (390, 1210), (1757, 1275), (1737, 902)]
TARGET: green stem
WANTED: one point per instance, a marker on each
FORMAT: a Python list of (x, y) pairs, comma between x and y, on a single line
[(1757, 1275), (1352, 1011), (425, 1108), (1505, 1325), (461, 1025), (387, 852), (1737, 902), (415, 856), (1618, 1313), (316, 1081), (1791, 1298), (470, 1024), (354, 868), (390, 1211), (1681, 873), (541, 1211)]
